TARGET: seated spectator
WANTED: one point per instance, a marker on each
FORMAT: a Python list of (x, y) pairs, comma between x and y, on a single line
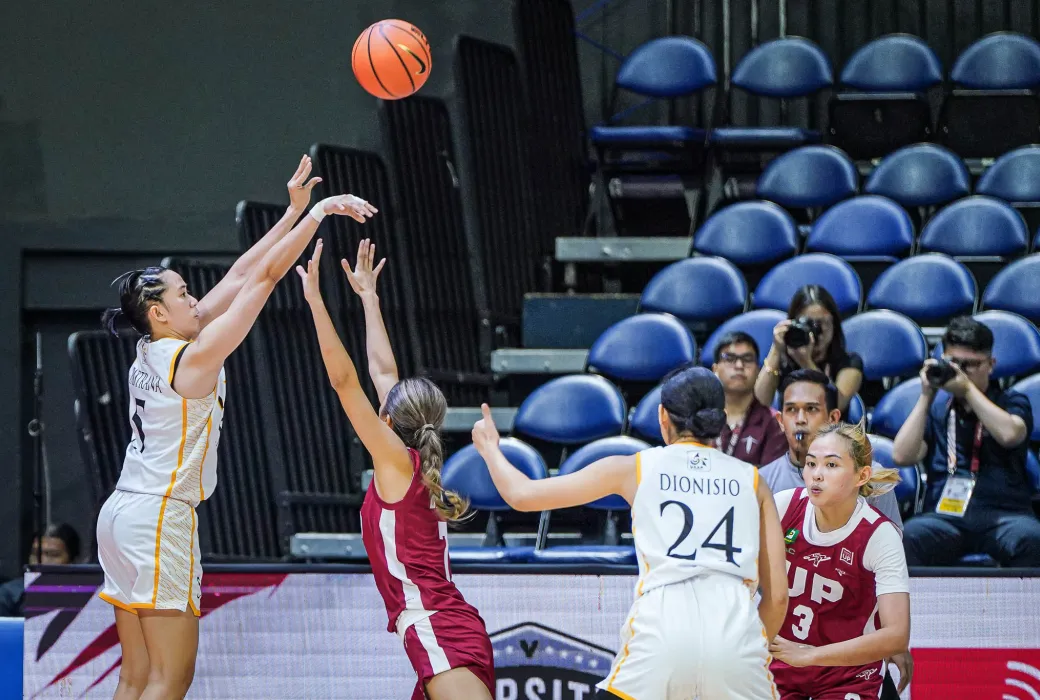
[(810, 401), (979, 497), (751, 433), (59, 545), (816, 342)]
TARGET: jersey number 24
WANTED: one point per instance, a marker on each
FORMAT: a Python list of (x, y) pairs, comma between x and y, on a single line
[(727, 534)]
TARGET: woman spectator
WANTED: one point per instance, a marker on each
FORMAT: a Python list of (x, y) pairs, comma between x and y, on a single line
[(811, 338)]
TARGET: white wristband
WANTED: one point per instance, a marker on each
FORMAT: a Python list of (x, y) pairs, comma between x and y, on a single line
[(318, 211)]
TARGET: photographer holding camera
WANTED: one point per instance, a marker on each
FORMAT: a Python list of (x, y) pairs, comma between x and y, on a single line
[(811, 338), (973, 441)]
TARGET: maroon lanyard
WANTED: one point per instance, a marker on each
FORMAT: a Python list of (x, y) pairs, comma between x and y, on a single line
[(734, 437), (951, 445)]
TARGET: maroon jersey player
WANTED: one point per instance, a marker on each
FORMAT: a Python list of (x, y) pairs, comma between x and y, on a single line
[(849, 590), (406, 510)]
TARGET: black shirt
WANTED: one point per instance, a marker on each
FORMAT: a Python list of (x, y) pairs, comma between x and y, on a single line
[(1002, 482), (831, 369)]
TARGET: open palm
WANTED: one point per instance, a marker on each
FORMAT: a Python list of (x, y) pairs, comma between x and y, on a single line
[(363, 277)]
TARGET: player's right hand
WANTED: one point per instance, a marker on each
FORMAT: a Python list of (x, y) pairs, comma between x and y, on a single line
[(485, 433), (309, 277), (363, 277), (348, 205)]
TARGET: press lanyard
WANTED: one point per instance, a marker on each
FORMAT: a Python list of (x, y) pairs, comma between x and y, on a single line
[(734, 436), (951, 445)]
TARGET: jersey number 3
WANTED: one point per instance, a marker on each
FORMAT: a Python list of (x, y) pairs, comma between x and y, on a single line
[(138, 423), (727, 546)]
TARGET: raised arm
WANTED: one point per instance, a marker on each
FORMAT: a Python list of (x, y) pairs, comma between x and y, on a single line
[(201, 362), (382, 367), (603, 477), (220, 297), (772, 563), (390, 460)]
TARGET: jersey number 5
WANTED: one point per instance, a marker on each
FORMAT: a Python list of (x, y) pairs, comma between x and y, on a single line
[(138, 423), (726, 547)]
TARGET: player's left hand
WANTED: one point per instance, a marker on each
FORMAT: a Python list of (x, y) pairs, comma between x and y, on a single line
[(485, 433), (791, 653), (959, 385), (363, 277), (905, 663), (299, 186), (309, 277), (348, 205)]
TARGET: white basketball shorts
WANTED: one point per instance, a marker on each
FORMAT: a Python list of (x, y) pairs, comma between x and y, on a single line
[(699, 638), (149, 549)]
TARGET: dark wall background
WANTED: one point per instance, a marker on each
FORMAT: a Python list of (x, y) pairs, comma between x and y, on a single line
[(128, 131)]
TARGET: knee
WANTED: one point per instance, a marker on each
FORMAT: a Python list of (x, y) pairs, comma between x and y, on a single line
[(175, 682), (133, 676)]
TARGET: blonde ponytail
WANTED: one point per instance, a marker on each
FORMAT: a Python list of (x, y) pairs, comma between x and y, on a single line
[(882, 480), (450, 505)]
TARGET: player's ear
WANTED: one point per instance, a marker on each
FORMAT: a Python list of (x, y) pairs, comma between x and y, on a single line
[(665, 421)]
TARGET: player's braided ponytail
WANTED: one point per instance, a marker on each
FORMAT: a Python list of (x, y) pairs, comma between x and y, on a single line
[(417, 408), (138, 290), (882, 480)]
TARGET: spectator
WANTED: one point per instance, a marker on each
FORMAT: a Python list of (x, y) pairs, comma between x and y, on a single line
[(810, 401), (60, 545), (978, 497), (812, 308), (751, 433)]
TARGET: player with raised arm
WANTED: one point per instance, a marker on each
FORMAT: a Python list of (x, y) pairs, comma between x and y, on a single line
[(849, 587), (405, 515), (147, 532), (706, 535)]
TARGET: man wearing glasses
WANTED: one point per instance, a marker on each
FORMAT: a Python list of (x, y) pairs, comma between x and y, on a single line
[(751, 434), (973, 438)]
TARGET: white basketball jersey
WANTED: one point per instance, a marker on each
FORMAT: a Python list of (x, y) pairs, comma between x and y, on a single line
[(173, 448), (695, 511)]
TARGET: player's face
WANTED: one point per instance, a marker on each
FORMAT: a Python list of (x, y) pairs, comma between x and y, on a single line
[(830, 474), (804, 412), (737, 368), (178, 315)]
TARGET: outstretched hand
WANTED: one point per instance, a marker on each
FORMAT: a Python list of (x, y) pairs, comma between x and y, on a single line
[(309, 277), (299, 186), (485, 433), (348, 205), (363, 277)]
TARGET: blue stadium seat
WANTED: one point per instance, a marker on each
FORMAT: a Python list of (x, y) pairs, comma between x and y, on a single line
[(889, 111), (856, 410), (572, 410), (924, 175), (651, 161), (976, 226), (811, 176), (1016, 288), (994, 107), (893, 63), (890, 344), (748, 233), (1014, 177), (782, 68), (908, 490), (894, 408), (1016, 344), (644, 422), (778, 287), (642, 348), (609, 552), (1033, 471), (466, 473), (696, 289), (1030, 386), (863, 226), (929, 288), (12, 656), (758, 324)]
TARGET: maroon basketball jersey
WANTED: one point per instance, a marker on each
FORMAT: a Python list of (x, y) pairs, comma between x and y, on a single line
[(407, 546), (832, 598)]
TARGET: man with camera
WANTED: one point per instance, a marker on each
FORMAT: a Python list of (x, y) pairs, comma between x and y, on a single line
[(973, 438)]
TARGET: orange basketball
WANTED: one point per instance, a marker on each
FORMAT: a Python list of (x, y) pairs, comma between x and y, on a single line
[(391, 59)]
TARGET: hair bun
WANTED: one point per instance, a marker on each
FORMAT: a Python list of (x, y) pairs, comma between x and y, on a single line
[(708, 422)]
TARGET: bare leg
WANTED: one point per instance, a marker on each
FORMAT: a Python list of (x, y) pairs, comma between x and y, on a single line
[(133, 670), (172, 638), (457, 684)]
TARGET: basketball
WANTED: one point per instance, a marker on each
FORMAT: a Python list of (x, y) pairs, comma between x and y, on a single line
[(391, 59)]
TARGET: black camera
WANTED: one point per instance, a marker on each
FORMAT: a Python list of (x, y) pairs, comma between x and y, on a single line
[(797, 335), (940, 373)]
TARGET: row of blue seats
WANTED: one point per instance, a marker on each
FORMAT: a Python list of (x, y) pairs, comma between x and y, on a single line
[(590, 412), (922, 175)]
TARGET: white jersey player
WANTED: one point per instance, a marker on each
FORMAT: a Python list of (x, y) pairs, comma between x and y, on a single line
[(147, 531), (707, 536)]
